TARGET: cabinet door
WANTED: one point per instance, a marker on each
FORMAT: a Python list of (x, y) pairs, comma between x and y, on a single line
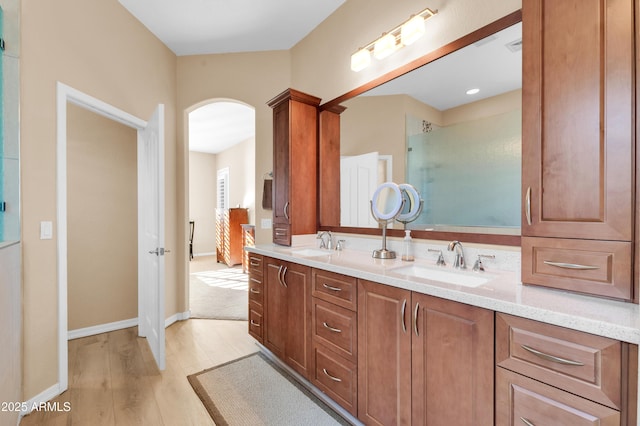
[(452, 363), (275, 307), (384, 354), (281, 170), (578, 118), (297, 281)]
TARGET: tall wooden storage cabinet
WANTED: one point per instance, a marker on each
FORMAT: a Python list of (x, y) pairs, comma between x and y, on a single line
[(295, 153), (229, 235), (578, 145)]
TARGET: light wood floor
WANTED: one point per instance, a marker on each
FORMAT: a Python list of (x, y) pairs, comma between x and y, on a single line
[(113, 379)]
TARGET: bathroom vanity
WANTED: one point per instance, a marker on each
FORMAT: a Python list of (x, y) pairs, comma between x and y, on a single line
[(389, 344)]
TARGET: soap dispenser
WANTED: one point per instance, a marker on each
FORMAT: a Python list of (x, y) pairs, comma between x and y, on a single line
[(407, 246)]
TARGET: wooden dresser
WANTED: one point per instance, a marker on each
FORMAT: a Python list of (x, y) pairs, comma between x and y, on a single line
[(229, 235)]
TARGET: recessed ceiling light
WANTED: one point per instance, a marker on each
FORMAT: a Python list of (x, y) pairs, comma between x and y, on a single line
[(472, 91)]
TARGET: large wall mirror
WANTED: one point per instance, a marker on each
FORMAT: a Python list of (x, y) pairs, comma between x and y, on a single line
[(427, 126)]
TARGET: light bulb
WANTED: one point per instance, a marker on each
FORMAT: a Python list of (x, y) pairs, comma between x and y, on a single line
[(384, 46), (360, 60), (412, 30)]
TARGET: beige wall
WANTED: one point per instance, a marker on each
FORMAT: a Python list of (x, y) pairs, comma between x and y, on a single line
[(240, 159), (100, 49), (102, 218), (253, 78), (203, 200)]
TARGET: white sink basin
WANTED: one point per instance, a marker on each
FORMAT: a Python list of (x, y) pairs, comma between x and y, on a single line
[(451, 277), (310, 252)]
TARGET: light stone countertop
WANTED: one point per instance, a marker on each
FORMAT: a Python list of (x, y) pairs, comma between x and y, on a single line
[(503, 292)]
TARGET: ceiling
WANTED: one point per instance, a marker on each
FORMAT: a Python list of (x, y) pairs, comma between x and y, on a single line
[(190, 27), (194, 27)]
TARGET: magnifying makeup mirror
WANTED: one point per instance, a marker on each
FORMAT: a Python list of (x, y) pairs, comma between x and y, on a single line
[(413, 204), (386, 204)]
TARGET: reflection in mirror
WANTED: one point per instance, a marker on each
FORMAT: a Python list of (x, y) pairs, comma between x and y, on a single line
[(413, 204), (461, 152)]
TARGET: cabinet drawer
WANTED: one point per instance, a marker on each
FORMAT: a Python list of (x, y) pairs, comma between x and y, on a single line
[(282, 234), (256, 289), (602, 268), (579, 363), (255, 264), (255, 321), (523, 401), (335, 327), (335, 288), (337, 378)]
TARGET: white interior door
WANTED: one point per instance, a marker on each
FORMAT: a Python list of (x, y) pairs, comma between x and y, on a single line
[(358, 181), (151, 251)]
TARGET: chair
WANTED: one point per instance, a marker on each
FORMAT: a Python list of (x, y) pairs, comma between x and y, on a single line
[(192, 226)]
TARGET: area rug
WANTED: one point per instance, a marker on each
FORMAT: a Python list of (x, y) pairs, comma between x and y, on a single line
[(219, 294), (254, 391)]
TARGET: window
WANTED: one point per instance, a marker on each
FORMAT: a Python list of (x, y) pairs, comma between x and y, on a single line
[(223, 188)]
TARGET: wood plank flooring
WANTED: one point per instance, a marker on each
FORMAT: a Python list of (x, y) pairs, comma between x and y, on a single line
[(113, 379)]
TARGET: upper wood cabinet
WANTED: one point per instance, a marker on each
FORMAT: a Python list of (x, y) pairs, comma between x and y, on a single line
[(578, 118), (578, 145), (295, 154)]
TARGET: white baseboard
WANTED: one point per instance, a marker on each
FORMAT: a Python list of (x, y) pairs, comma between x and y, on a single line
[(119, 325), (180, 316), (41, 398), (101, 328), (204, 254)]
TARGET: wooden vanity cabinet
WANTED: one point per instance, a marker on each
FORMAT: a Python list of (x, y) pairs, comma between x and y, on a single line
[(578, 144), (423, 360), (547, 374), (335, 337), (295, 130), (256, 296), (287, 312)]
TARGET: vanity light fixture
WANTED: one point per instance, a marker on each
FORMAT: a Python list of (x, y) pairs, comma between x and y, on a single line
[(402, 35)]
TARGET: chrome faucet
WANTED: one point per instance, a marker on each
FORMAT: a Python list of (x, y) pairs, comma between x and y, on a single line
[(329, 243), (458, 263)]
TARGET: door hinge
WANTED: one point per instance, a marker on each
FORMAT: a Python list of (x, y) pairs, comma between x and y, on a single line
[(159, 251)]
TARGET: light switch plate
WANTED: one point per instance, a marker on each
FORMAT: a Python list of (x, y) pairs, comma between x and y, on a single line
[(265, 223), (46, 230)]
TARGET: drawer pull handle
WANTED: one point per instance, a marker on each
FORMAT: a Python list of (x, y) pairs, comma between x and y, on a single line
[(526, 422), (328, 327), (256, 280), (335, 379), (255, 323), (528, 209), (281, 233), (254, 291), (551, 357), (328, 287), (254, 263), (571, 265)]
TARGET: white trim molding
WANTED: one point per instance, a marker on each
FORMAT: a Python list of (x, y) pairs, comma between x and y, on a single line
[(101, 328)]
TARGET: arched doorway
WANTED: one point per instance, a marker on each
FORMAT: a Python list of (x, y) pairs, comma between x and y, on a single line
[(221, 136)]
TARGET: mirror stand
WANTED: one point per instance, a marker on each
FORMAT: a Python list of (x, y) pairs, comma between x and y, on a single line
[(383, 253)]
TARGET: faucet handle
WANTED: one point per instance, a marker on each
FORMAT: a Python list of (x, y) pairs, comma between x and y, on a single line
[(340, 245), (479, 266), (440, 261)]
